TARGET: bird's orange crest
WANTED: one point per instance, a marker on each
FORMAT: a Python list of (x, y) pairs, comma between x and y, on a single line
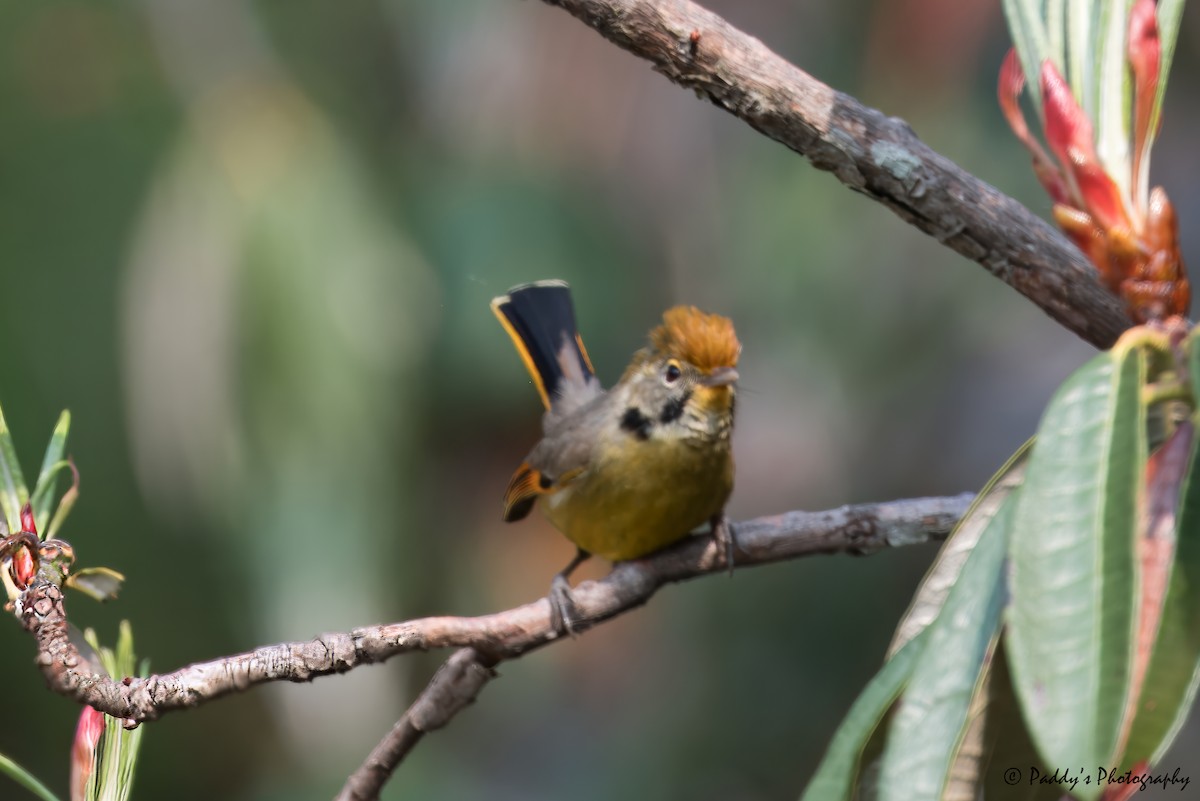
[(707, 341)]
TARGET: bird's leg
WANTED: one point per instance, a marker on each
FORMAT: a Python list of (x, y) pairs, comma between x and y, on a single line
[(722, 534), (562, 606)]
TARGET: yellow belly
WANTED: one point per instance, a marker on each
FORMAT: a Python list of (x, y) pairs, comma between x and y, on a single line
[(638, 497)]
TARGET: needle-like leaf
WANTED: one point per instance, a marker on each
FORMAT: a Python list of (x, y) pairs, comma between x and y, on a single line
[(12, 484), (52, 464), (26, 779), (1030, 39), (839, 772)]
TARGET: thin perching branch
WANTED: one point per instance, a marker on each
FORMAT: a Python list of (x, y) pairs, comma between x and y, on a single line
[(868, 151), (852, 529), (865, 528), (860, 529)]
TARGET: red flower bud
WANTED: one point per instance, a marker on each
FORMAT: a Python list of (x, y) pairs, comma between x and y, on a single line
[(1067, 127), (1100, 195), (83, 752), (27, 523), (1131, 234), (23, 567), (1012, 82)]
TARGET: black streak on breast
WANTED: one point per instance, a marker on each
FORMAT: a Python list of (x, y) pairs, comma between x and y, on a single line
[(673, 409), (639, 424)]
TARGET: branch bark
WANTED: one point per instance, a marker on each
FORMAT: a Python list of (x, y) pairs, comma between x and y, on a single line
[(868, 151), (861, 529)]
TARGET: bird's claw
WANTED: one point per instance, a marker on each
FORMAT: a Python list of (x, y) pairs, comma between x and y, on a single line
[(563, 612), (722, 534)]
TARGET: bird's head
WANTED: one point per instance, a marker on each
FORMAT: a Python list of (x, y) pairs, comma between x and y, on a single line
[(691, 363)]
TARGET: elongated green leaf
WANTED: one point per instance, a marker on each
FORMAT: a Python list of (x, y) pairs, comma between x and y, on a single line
[(1169, 14), (115, 766), (838, 773), (43, 496), (52, 464), (117, 751), (1083, 17), (1114, 87), (933, 715), (113, 778), (65, 505), (943, 574), (101, 583), (12, 485), (1173, 674), (1032, 44), (1074, 562), (24, 778), (1012, 770)]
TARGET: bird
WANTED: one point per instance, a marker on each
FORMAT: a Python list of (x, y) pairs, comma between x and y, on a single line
[(625, 472)]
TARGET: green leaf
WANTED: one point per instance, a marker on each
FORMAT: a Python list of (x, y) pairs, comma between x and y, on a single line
[(13, 494), (1032, 44), (113, 778), (1172, 677), (1114, 88), (943, 574), (101, 583), (25, 779), (43, 497), (932, 717), (1074, 562), (1169, 14), (1083, 18), (52, 464), (1008, 754), (64, 508), (117, 751), (838, 773)]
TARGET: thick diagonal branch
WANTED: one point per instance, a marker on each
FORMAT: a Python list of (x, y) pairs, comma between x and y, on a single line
[(869, 152), (504, 635)]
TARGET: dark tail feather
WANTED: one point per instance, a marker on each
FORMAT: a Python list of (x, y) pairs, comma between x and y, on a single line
[(541, 321)]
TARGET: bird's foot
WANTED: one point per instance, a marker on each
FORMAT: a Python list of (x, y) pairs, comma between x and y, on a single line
[(564, 614), (722, 534)]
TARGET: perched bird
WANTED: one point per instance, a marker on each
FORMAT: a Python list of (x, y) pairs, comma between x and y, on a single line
[(625, 472)]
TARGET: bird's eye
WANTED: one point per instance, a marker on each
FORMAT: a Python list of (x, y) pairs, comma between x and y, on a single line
[(672, 373)]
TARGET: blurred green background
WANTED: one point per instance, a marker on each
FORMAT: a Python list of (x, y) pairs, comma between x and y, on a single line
[(251, 247)]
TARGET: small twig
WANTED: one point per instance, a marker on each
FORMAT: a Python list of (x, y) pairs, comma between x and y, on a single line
[(868, 151), (504, 635), (453, 688)]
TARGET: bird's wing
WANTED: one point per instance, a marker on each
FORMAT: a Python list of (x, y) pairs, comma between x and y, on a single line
[(528, 483), (563, 455)]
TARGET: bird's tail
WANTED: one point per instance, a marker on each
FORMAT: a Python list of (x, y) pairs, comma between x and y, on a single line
[(541, 321)]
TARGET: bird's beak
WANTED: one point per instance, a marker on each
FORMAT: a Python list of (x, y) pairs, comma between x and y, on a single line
[(720, 377)]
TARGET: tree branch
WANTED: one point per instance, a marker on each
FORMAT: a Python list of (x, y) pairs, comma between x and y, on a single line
[(452, 689), (869, 152), (861, 529)]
